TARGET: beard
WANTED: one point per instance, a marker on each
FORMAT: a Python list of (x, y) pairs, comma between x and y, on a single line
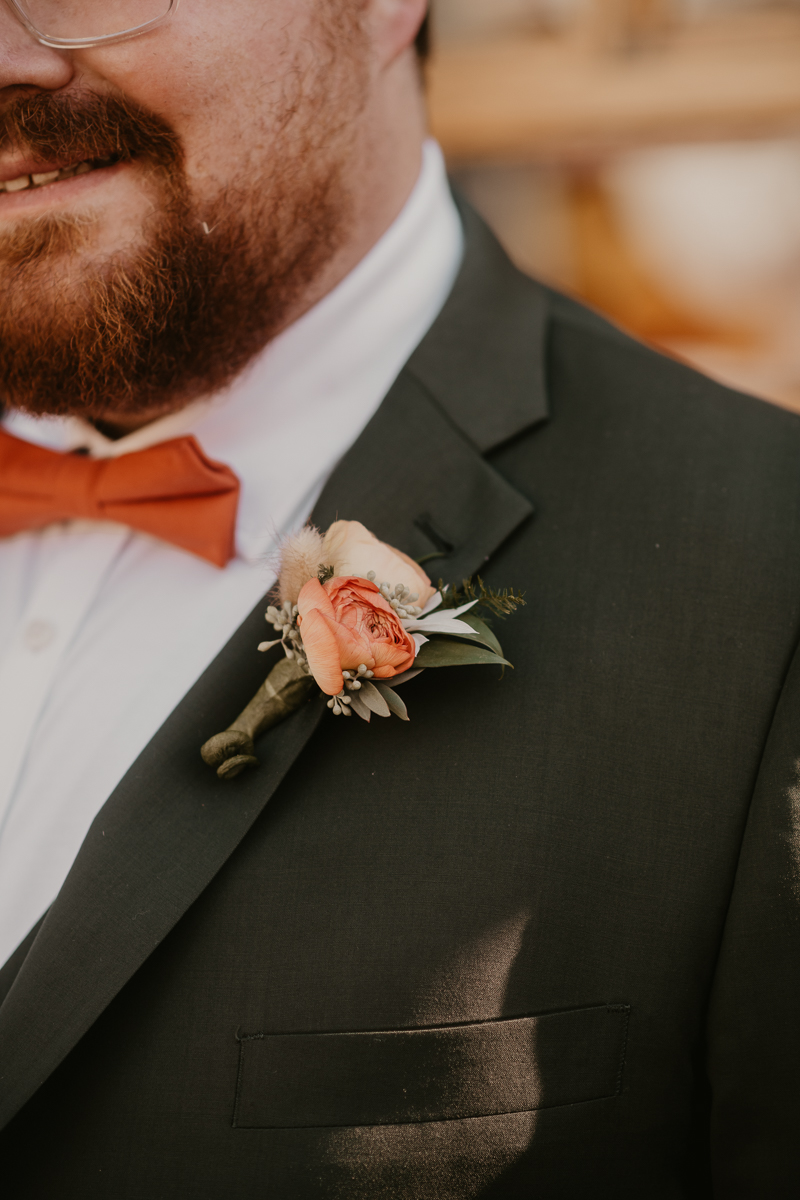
[(145, 331)]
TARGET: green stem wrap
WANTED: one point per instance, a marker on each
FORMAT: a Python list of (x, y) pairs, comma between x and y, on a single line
[(282, 693)]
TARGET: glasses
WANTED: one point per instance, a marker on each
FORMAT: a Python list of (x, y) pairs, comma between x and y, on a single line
[(78, 24)]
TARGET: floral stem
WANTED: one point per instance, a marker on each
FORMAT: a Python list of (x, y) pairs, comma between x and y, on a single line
[(282, 693)]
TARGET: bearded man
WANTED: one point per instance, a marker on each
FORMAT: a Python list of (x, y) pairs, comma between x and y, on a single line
[(543, 939)]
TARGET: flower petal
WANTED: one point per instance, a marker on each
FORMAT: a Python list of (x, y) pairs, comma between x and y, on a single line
[(313, 595), (392, 660), (352, 550), (353, 649), (322, 651)]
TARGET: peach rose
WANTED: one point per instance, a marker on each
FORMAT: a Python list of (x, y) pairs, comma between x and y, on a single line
[(347, 622), (351, 549)]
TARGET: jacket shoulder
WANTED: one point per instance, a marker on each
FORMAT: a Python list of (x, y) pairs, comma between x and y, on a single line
[(590, 354)]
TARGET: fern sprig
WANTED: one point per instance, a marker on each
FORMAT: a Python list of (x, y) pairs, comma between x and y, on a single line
[(499, 603)]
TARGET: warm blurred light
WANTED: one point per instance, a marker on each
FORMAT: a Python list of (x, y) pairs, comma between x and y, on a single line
[(567, 122)]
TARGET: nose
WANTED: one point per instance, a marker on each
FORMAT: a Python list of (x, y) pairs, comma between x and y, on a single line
[(26, 63)]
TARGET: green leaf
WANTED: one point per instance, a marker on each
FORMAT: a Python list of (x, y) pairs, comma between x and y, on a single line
[(359, 707), (485, 635), (373, 699), (393, 700), (445, 652)]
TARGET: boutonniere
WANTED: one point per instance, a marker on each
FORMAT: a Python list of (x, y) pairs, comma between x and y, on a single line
[(357, 619)]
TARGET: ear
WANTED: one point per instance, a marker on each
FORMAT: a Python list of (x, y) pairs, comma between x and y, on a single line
[(394, 24)]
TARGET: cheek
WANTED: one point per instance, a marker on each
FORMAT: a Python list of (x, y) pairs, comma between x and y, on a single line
[(216, 73)]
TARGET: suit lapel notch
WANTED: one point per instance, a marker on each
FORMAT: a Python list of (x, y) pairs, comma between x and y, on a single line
[(419, 484)]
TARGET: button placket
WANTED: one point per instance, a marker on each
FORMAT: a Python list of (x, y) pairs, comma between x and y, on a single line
[(54, 614)]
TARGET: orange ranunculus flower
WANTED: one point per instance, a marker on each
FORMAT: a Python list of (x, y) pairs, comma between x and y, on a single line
[(347, 622)]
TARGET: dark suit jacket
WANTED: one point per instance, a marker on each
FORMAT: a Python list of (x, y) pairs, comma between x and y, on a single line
[(543, 940)]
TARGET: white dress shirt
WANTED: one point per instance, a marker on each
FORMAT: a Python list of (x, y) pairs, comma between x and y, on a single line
[(103, 630)]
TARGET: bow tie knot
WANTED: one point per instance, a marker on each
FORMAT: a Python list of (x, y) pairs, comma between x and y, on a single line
[(79, 478), (170, 490)]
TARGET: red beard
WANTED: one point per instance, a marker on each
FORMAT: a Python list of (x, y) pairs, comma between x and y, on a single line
[(150, 331)]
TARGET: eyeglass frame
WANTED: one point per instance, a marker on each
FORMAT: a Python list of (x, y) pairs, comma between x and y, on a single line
[(103, 39)]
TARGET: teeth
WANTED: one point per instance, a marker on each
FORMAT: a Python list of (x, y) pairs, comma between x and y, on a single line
[(44, 177)]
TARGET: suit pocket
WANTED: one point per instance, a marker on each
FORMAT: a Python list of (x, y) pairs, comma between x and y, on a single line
[(444, 1073)]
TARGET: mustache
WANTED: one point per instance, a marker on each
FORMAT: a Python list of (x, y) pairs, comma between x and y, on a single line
[(88, 125)]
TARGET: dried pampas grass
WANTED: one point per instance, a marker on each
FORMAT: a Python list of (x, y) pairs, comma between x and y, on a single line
[(301, 558)]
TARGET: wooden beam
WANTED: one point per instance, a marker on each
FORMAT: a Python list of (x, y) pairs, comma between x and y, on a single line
[(565, 99)]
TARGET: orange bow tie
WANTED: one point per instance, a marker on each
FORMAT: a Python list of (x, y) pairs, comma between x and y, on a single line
[(170, 490)]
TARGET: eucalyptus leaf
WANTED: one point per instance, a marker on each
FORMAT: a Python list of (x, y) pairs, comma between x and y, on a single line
[(370, 695), (444, 652), (359, 707), (404, 678), (393, 700), (485, 635)]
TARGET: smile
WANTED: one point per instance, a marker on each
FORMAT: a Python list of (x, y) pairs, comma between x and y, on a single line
[(42, 179)]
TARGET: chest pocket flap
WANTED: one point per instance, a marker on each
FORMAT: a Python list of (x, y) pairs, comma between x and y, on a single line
[(445, 1073)]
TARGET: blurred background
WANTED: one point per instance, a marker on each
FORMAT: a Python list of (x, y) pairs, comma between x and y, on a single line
[(643, 155)]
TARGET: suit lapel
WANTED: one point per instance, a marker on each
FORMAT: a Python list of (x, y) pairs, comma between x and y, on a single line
[(416, 477), (419, 484)]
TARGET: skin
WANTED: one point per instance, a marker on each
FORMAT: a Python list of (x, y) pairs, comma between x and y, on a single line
[(216, 74)]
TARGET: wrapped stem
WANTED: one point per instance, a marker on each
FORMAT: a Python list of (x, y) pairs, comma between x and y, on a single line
[(282, 693)]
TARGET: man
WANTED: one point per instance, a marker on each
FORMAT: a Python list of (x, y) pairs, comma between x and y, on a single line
[(542, 939)]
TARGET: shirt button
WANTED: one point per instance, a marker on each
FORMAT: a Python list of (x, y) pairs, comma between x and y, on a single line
[(38, 635)]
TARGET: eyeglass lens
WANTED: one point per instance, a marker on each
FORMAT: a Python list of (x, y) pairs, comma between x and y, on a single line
[(76, 19)]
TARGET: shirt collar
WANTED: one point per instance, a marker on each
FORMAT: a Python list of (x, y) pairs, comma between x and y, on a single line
[(289, 417)]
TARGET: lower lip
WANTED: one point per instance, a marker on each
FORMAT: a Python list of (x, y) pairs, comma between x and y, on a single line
[(53, 195)]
